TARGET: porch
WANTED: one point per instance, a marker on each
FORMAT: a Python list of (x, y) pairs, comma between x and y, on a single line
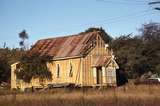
[(104, 71), (104, 76)]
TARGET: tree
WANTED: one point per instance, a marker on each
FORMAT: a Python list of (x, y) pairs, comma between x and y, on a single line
[(7, 57), (23, 35), (33, 65), (4, 70), (151, 40), (150, 32), (140, 54), (127, 54), (104, 35)]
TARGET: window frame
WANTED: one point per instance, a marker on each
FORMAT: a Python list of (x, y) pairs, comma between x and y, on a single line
[(70, 74)]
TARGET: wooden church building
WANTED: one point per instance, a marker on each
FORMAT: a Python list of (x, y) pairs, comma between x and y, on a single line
[(83, 59)]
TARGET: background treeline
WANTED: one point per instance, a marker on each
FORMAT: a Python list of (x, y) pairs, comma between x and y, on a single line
[(135, 54), (140, 54), (7, 57)]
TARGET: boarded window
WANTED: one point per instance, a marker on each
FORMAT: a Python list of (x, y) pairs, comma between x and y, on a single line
[(58, 71), (111, 75), (110, 72)]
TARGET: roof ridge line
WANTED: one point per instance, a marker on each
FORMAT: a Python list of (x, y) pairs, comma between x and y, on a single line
[(79, 34)]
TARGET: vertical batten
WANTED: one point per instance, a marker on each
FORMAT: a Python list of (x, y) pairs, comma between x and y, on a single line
[(103, 75), (81, 72)]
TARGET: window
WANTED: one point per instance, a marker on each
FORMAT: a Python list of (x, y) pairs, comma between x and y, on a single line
[(70, 70), (58, 70)]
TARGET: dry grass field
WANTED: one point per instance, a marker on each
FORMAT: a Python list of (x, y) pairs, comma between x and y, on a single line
[(142, 95)]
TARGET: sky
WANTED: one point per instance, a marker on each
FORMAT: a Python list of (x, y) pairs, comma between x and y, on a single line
[(52, 18)]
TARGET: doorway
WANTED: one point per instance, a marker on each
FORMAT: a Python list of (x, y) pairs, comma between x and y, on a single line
[(99, 75)]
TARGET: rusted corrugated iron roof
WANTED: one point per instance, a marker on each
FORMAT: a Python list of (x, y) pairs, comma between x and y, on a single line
[(101, 61), (67, 46)]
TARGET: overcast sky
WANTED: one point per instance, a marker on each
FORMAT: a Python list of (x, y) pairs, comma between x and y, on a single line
[(50, 18)]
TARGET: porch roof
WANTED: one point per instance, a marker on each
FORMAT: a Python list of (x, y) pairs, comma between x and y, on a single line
[(101, 61)]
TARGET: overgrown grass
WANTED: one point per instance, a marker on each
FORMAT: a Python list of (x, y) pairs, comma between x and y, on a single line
[(122, 96)]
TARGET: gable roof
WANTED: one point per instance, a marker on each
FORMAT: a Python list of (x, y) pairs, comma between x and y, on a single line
[(67, 46)]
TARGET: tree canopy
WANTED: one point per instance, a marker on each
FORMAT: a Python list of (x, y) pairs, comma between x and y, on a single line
[(33, 65), (139, 54), (23, 36), (103, 33), (7, 57)]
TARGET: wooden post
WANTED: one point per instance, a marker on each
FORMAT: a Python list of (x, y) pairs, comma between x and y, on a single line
[(103, 75)]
